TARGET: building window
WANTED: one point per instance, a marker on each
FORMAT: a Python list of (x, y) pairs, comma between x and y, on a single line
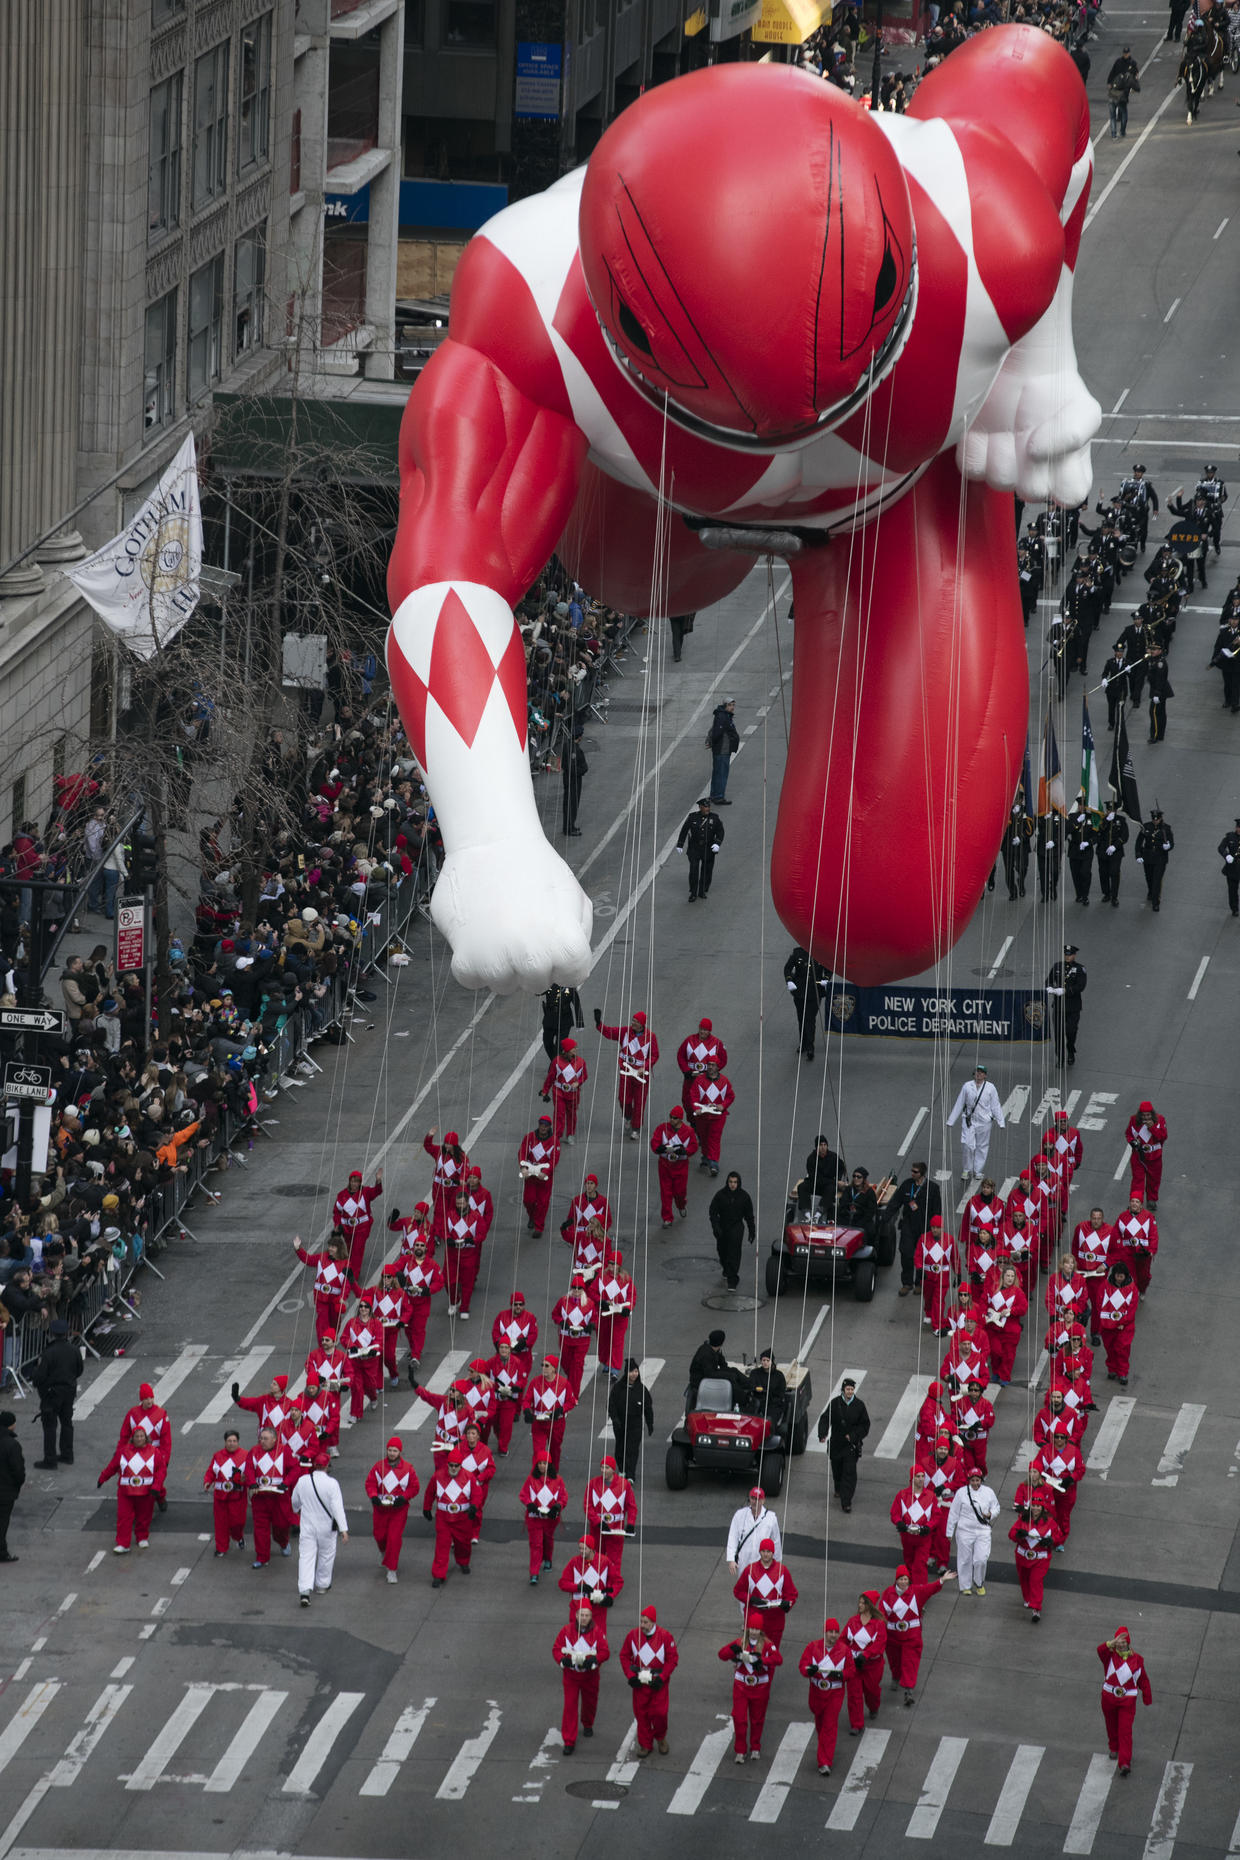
[(255, 84), (470, 22), (162, 10), (164, 180), (206, 309), (159, 404), (249, 278), (415, 23), (294, 155), (211, 125)]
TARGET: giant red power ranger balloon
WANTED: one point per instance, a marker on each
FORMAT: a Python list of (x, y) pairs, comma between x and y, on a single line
[(811, 331)]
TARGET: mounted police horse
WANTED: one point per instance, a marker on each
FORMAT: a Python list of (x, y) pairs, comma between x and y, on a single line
[(1194, 72)]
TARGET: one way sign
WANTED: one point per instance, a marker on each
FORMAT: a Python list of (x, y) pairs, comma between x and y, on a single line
[(31, 1020)]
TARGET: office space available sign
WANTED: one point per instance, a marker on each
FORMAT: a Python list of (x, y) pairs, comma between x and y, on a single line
[(537, 92), (906, 1013)]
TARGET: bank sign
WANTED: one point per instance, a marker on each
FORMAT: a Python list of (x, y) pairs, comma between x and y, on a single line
[(925, 1013)]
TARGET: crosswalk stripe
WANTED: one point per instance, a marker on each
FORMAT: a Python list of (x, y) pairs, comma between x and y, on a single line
[(697, 1778), (69, 1768), (543, 1761), (465, 1763), (304, 1772), (813, 1444), (924, 1819), (1110, 1433), (891, 1446), (242, 1369), (440, 1379), (782, 1773), (24, 1719), (862, 1771), (1087, 1814), (180, 1724), (1179, 1440), (1024, 1454), (1167, 1811), (257, 1722), (625, 1767), (400, 1743), (178, 1372), (1014, 1794), (1233, 1846), (650, 1367), (101, 1386)]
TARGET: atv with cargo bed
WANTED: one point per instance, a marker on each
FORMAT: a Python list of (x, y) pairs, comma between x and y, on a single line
[(718, 1435)]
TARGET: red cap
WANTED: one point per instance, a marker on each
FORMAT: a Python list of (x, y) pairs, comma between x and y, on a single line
[(568, 1046), (831, 1625), (753, 1619), (639, 1019), (607, 1464), (768, 1543), (936, 1220), (592, 1178), (936, 1388), (914, 1470), (312, 1383), (421, 1207), (554, 1361), (1123, 1631), (902, 1569), (755, 1491), (577, 1283), (322, 1459), (474, 1175), (396, 1442), (146, 1392), (1061, 1117), (454, 1456), (677, 1110), (706, 1026), (586, 1542), (355, 1175), (649, 1613), (518, 1298), (1145, 1105), (871, 1596), (388, 1271), (451, 1137), (281, 1382), (1025, 1176), (327, 1336)]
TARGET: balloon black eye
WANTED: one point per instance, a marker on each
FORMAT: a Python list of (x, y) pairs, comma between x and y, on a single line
[(886, 281), (632, 330)]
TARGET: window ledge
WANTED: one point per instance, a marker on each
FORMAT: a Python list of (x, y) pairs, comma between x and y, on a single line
[(351, 176), (363, 19)]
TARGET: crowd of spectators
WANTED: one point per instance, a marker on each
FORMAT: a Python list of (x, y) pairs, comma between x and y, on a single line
[(571, 642), (842, 51)]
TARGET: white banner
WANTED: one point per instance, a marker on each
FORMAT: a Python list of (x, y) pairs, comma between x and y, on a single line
[(145, 582)]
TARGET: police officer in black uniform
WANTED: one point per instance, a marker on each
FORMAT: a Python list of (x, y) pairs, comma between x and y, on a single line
[(1160, 690), (701, 837), (1211, 487), (1016, 837), (1112, 839), (1115, 679), (1141, 495), (1064, 987), (56, 1376), (1049, 850), (1153, 849), (801, 973), (573, 771), (1226, 656), (561, 1012), (1082, 832), (1189, 535), (1229, 853)]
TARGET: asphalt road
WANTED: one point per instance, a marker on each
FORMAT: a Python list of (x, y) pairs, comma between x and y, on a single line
[(176, 1704)]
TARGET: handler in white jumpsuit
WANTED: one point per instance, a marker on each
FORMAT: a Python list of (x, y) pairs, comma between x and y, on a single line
[(749, 1526), (978, 1108), (969, 1519), (319, 1503)]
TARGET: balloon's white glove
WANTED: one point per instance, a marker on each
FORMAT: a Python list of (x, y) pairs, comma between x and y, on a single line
[(515, 916)]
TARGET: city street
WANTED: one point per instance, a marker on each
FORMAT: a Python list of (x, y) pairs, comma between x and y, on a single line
[(173, 1703)]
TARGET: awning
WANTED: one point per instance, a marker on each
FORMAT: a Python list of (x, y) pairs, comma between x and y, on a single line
[(790, 22)]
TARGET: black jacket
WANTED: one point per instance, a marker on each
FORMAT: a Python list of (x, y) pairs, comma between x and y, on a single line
[(731, 1212), (59, 1366), (702, 831), (629, 1407), (918, 1206), (12, 1466), (822, 1174), (708, 1361), (562, 1010), (722, 733), (847, 1423)]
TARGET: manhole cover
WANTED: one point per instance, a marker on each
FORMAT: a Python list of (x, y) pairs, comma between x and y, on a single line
[(596, 1791), (732, 1301), (300, 1191), (683, 1266)]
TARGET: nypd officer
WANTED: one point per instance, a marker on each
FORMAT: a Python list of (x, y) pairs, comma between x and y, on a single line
[(1065, 985), (1229, 853)]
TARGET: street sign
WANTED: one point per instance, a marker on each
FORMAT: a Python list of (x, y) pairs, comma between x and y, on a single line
[(130, 934), (32, 1020), (23, 1080)]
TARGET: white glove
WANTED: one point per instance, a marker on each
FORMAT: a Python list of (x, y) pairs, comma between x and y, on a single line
[(1229, 858), (1140, 860), (596, 1596), (644, 1677), (680, 849), (714, 849), (792, 988), (1110, 850), (1166, 845), (1084, 845)]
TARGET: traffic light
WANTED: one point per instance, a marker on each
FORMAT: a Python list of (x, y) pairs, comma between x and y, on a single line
[(143, 860)]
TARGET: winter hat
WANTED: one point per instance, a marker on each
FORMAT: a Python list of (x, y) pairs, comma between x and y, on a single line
[(9, 1419), (902, 1569), (421, 1207), (451, 1138), (753, 1619), (648, 1613), (58, 1328), (639, 1019), (607, 1464), (281, 1382), (568, 1046), (1121, 1633), (716, 1337), (388, 1271), (396, 1442), (831, 1625), (1145, 1105), (936, 1388), (706, 1026), (309, 915), (768, 1543), (936, 1220), (551, 1362), (871, 1596), (591, 1178), (355, 1175), (586, 1542), (630, 1364), (146, 1392), (677, 1110)]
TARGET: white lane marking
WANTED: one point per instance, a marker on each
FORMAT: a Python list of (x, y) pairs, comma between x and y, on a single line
[(177, 1373), (542, 1763), (400, 1743), (1175, 306), (1038, 1370), (997, 964), (162, 1605), (1089, 1806), (258, 1721), (891, 1446), (1202, 966), (466, 1035), (1013, 1795), (650, 1367), (1115, 409), (68, 1602), (913, 1128), (1111, 1432), (1006, 1186), (625, 1768), (24, 1719), (94, 1563), (924, 1819), (813, 1444), (467, 1759), (851, 1799), (1169, 1807), (1024, 1457), (782, 1773), (437, 1383), (807, 1343), (1123, 1164), (242, 1370), (144, 1633), (101, 1385), (304, 1772), (181, 1576), (1179, 1440), (37, 1646), (69, 1768), (20, 1671), (1233, 1846), (180, 1724), (121, 1667), (1221, 226), (1103, 197), (698, 1776)]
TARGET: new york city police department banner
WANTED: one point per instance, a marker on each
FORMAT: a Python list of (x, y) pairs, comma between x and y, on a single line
[(925, 1013)]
